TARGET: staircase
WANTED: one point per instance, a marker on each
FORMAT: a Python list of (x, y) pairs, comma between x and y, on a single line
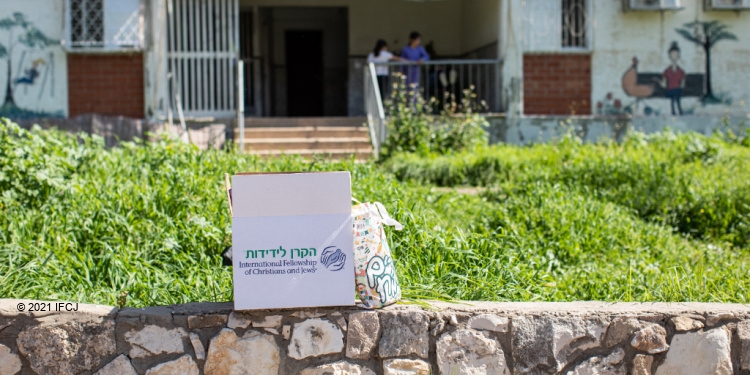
[(333, 137)]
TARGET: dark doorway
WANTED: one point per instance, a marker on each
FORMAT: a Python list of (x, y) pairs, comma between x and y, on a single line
[(304, 72)]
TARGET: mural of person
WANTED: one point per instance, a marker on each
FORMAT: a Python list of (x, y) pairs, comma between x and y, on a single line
[(30, 75), (673, 80)]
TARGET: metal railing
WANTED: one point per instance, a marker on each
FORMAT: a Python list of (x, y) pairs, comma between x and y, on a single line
[(374, 109), (439, 78), (445, 82)]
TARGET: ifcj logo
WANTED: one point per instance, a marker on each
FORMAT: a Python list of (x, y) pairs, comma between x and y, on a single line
[(333, 258)]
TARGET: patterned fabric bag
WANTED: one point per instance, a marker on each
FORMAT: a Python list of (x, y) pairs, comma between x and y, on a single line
[(375, 272)]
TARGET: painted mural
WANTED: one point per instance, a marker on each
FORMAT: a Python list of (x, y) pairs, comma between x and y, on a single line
[(31, 71), (673, 83)]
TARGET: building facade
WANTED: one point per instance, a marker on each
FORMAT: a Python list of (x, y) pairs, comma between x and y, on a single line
[(636, 57), (158, 58)]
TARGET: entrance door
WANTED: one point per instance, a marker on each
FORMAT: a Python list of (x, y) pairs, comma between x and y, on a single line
[(304, 72)]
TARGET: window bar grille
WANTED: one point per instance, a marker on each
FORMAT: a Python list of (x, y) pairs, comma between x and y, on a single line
[(574, 23)]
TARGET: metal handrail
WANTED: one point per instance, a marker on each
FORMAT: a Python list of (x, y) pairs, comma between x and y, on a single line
[(441, 62), (376, 115)]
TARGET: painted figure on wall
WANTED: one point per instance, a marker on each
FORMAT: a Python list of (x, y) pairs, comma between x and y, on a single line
[(673, 80), (674, 83), (31, 74), (22, 34)]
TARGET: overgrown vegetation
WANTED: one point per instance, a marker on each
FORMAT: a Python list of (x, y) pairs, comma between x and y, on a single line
[(657, 218), (413, 127)]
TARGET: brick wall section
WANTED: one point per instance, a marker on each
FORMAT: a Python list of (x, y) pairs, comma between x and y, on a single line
[(557, 84), (106, 85)]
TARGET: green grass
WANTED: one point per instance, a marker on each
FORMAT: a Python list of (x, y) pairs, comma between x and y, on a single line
[(661, 218)]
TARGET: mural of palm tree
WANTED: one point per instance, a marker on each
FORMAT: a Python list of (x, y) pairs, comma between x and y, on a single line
[(706, 34), (21, 32)]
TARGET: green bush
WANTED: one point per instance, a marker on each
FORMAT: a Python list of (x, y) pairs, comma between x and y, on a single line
[(412, 127), (695, 184)]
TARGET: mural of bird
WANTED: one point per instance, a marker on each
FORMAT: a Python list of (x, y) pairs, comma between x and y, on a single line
[(630, 83)]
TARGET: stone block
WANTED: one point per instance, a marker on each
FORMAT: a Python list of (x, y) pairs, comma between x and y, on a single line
[(621, 330), (206, 321), (238, 320), (467, 352), (253, 353), (489, 322), (200, 351), (10, 364), (119, 366), (338, 368), (67, 348), (610, 365), (362, 335), (684, 323), (743, 331), (180, 366), (156, 315), (548, 343), (642, 364), (717, 318), (271, 321), (437, 325), (404, 333), (338, 318), (400, 366), (315, 337), (651, 339), (154, 340), (699, 353)]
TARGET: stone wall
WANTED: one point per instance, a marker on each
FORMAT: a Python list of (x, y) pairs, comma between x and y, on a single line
[(117, 129), (442, 338), (541, 129)]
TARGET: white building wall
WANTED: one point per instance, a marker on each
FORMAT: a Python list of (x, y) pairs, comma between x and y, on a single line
[(480, 25), (511, 29), (40, 94), (647, 35)]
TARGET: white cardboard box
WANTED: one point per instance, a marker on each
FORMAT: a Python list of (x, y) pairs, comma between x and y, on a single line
[(292, 240)]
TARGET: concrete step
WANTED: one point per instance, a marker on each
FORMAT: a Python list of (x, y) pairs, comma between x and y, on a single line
[(335, 154), (306, 143), (285, 122), (306, 132), (333, 137)]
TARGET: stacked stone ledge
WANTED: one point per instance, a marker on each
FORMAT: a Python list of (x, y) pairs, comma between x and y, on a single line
[(468, 338)]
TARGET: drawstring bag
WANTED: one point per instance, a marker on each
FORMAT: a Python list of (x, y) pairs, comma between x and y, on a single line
[(374, 270)]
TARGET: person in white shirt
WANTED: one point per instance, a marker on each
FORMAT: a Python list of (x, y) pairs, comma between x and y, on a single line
[(380, 54)]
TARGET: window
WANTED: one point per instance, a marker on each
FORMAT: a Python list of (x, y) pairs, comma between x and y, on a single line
[(110, 25), (574, 22), (87, 23), (555, 26)]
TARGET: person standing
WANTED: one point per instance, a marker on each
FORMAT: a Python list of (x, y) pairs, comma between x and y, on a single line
[(379, 56), (673, 80), (414, 52)]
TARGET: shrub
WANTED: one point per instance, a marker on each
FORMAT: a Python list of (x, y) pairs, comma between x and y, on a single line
[(694, 184), (413, 129)]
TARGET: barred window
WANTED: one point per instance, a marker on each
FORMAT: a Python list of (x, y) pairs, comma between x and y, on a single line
[(556, 25), (574, 23), (87, 22)]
